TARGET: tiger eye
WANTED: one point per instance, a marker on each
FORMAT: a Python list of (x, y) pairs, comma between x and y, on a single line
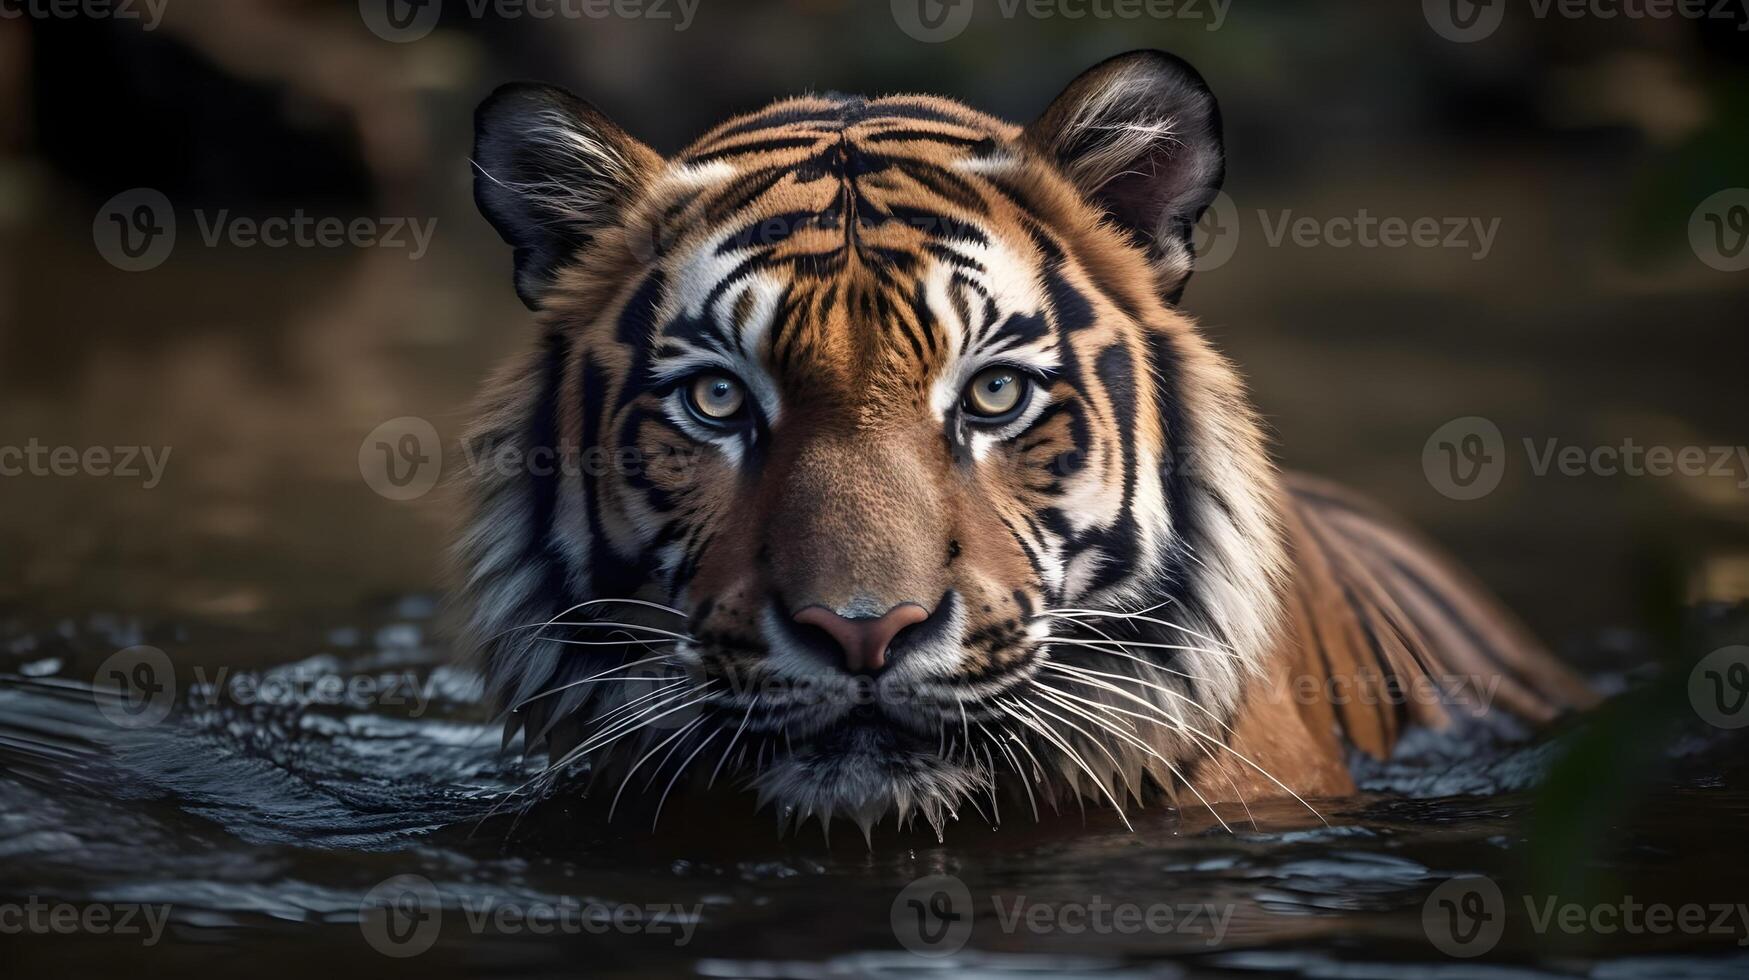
[(717, 397), (995, 392)]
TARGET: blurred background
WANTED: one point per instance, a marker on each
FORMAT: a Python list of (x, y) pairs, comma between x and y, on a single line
[(1574, 166), (1462, 245)]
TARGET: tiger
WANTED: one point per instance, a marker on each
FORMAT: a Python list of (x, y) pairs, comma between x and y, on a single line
[(902, 482)]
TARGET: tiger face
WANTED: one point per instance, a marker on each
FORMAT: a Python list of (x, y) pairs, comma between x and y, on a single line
[(920, 488)]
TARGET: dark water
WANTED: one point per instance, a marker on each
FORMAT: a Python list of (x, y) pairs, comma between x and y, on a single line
[(269, 830), (264, 825)]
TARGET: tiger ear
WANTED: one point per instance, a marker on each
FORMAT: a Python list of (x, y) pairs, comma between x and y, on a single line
[(549, 171), (1140, 134)]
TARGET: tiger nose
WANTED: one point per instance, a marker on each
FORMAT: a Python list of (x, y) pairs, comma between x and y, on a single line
[(864, 639)]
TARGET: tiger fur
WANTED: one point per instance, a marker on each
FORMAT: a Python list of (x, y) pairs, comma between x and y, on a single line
[(1112, 596)]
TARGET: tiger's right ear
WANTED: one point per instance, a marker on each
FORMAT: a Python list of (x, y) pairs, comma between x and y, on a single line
[(549, 171), (1140, 135)]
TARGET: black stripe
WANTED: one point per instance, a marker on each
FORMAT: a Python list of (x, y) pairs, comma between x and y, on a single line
[(1176, 481), (755, 146), (938, 225), (926, 135), (772, 118)]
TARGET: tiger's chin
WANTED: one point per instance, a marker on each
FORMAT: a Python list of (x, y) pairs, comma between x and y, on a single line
[(863, 773)]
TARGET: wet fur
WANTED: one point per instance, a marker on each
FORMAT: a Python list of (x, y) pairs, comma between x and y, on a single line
[(849, 255)]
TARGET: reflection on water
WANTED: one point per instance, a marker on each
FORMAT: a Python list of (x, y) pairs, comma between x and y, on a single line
[(276, 804), (266, 807)]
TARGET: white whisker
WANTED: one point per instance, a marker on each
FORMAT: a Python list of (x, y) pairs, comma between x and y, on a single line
[(1100, 614), (1037, 724), (1144, 747), (677, 773), (627, 779), (590, 679)]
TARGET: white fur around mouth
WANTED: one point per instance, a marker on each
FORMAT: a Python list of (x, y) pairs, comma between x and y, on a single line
[(863, 777)]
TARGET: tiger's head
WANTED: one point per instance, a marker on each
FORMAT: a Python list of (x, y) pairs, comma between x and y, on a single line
[(895, 478)]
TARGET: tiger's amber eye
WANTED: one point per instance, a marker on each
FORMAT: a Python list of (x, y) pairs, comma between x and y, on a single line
[(995, 393), (717, 397)]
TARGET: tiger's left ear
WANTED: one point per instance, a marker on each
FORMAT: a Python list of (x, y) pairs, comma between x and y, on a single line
[(550, 172), (1140, 135)]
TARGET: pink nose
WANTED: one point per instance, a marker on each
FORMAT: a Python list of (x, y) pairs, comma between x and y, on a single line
[(864, 640)]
